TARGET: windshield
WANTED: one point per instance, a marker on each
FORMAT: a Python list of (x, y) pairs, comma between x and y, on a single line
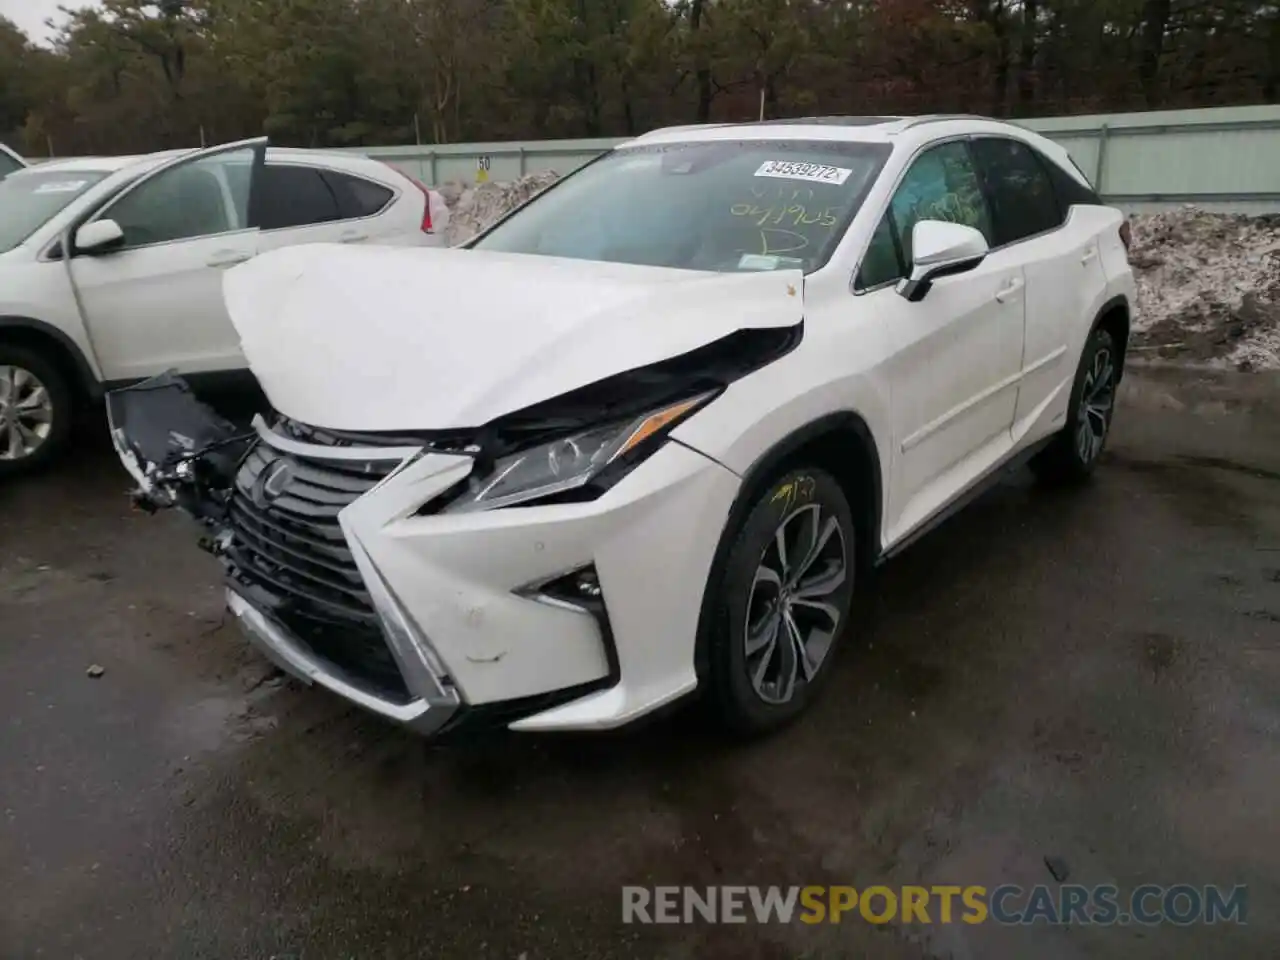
[(723, 206), (28, 200)]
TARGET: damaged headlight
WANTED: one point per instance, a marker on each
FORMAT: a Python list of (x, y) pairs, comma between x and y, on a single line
[(570, 462)]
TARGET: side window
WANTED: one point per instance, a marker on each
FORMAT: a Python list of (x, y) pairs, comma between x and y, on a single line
[(882, 262), (356, 196), (196, 199), (7, 165), (1022, 196), (1069, 190), (942, 184), (294, 197)]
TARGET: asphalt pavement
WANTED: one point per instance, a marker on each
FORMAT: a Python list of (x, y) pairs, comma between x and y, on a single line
[(1090, 676)]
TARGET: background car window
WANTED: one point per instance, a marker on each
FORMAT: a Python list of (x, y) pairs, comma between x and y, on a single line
[(356, 196), (1022, 198), (294, 197), (8, 164), (194, 199), (30, 199)]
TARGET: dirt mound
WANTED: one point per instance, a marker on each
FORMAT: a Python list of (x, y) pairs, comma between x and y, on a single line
[(471, 209), (1208, 288)]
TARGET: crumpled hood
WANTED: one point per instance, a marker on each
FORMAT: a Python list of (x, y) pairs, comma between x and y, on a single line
[(363, 338)]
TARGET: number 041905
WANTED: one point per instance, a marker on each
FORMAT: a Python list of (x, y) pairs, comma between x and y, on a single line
[(793, 215)]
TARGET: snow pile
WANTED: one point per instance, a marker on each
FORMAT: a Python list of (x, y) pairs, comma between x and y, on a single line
[(474, 208), (1208, 288)]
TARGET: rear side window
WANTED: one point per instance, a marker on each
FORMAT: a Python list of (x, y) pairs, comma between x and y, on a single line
[(356, 196), (1070, 191), (1023, 201), (294, 197)]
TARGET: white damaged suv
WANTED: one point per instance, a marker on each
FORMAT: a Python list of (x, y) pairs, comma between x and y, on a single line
[(644, 436)]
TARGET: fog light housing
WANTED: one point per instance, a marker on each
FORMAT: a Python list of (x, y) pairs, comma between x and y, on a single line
[(580, 590)]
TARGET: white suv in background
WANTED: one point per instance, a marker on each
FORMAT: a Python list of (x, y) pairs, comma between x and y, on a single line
[(657, 423), (140, 289)]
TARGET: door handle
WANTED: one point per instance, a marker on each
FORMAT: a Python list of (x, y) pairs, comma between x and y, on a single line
[(353, 237), (227, 258), (1005, 293), (1088, 256)]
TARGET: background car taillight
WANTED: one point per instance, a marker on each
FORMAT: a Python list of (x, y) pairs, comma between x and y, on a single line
[(427, 226), (426, 206), (1126, 236)]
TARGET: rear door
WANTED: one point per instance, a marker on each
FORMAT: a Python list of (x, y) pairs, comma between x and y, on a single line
[(155, 302), (1058, 250)]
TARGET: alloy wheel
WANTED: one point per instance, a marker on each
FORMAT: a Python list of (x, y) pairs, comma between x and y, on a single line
[(26, 413), (791, 620), (1097, 398)]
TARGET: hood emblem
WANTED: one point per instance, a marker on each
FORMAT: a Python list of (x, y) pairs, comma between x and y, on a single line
[(272, 482)]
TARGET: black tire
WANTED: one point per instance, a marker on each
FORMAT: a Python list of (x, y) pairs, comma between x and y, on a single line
[(799, 498), (1070, 457), (62, 410)]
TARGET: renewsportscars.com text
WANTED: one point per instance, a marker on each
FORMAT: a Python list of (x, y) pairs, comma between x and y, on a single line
[(1181, 904)]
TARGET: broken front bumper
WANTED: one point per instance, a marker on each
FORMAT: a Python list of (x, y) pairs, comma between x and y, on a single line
[(576, 616), (425, 715)]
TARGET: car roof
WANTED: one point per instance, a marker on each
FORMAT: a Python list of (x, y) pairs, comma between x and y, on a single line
[(852, 129), (907, 133), (146, 161)]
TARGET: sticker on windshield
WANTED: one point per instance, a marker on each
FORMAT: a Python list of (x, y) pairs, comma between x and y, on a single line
[(813, 172), (61, 186), (759, 261)]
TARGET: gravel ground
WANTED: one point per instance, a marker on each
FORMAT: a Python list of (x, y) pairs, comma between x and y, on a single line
[(1209, 288), (1092, 676)]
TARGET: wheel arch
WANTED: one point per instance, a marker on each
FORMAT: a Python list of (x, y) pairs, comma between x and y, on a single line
[(1116, 317), (58, 347), (840, 443)]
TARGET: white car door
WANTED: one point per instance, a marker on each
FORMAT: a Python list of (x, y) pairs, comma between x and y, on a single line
[(300, 203), (957, 353), (154, 301), (1064, 272)]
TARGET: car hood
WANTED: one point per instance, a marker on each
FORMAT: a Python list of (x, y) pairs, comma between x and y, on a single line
[(369, 339)]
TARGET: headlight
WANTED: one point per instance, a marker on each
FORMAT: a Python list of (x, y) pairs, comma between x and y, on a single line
[(569, 462)]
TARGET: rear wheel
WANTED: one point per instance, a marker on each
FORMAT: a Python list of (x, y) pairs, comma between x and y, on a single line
[(35, 410), (783, 602), (1074, 452)]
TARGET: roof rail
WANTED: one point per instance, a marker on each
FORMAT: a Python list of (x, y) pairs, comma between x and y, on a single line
[(941, 117)]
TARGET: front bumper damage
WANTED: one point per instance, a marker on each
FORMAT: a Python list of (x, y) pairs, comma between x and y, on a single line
[(182, 454), (575, 616)]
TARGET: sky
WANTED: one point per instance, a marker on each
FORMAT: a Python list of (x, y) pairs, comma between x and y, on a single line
[(31, 14)]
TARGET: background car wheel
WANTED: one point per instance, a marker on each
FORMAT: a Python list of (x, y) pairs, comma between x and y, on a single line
[(35, 410), (1074, 452), (784, 599)]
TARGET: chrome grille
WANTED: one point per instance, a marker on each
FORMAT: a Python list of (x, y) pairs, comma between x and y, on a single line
[(292, 551)]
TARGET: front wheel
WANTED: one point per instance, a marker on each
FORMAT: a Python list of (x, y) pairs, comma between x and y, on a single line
[(1074, 452), (35, 410), (784, 599)]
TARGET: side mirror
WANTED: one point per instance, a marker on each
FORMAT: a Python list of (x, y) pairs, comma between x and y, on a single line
[(940, 249), (101, 236)]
